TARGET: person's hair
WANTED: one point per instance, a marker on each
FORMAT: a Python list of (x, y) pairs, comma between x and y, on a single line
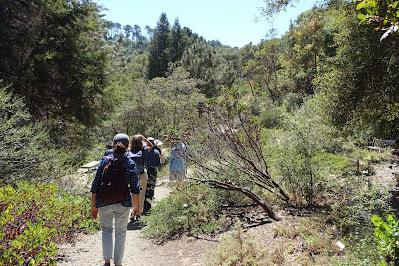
[(120, 148), (109, 146), (136, 144)]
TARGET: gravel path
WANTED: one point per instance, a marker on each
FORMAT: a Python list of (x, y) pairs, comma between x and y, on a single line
[(87, 249)]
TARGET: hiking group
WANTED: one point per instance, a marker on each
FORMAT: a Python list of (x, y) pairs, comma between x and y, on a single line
[(124, 186)]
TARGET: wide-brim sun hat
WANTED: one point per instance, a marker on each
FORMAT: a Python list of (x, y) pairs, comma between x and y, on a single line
[(157, 142)]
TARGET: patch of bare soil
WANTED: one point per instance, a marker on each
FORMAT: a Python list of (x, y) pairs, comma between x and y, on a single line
[(384, 173)]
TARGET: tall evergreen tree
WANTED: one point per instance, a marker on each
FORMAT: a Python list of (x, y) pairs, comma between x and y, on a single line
[(128, 30), (159, 49), (136, 32), (51, 54), (177, 45), (199, 60), (149, 31)]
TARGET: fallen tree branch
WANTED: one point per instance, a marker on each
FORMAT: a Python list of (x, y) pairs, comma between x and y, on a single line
[(250, 194)]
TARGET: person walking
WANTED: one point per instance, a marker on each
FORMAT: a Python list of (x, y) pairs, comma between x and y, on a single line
[(152, 163), (177, 165), (115, 190), (139, 149)]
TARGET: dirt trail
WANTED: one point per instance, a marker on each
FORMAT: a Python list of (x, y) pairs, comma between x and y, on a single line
[(87, 249), (384, 174)]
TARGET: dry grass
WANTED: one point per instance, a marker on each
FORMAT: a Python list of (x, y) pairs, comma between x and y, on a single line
[(304, 241), (294, 241)]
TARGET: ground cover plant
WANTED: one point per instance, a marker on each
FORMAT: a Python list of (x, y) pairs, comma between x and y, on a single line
[(190, 209), (34, 218), (238, 249)]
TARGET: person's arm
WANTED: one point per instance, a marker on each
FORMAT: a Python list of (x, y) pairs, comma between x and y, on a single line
[(94, 209), (95, 187), (147, 142), (157, 158), (135, 206), (134, 185), (162, 159)]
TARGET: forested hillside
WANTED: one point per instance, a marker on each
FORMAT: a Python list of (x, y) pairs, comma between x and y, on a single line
[(279, 127)]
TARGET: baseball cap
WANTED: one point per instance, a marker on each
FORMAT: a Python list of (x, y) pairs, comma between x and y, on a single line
[(121, 138)]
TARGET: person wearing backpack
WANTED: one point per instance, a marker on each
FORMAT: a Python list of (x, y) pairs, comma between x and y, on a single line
[(115, 190), (139, 149), (152, 163)]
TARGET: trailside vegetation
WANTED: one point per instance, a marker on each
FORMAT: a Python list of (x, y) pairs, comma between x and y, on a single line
[(274, 129)]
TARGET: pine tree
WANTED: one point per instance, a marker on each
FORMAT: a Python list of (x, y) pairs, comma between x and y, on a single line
[(159, 49), (177, 45), (128, 30), (136, 33), (199, 60)]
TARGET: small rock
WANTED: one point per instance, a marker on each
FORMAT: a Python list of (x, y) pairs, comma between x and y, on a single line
[(340, 245), (190, 239), (181, 253), (186, 261)]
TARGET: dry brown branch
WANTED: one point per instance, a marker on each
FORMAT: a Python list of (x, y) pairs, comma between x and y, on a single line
[(230, 148), (229, 186)]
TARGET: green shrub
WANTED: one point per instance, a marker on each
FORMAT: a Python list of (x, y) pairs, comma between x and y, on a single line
[(20, 140), (317, 236), (25, 145), (236, 249), (360, 251), (334, 164), (270, 118), (299, 155), (365, 155), (353, 202), (190, 208), (34, 217), (386, 234), (292, 102)]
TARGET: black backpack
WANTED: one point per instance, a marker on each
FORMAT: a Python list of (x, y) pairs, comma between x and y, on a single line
[(114, 185)]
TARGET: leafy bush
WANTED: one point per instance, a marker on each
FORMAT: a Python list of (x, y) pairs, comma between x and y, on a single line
[(25, 145), (386, 234), (353, 202), (190, 208), (236, 249), (361, 251), (33, 217), (20, 140), (299, 155), (270, 118), (303, 172), (365, 155), (170, 103), (292, 102)]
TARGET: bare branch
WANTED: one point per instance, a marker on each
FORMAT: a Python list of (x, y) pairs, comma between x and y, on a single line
[(231, 146), (229, 186)]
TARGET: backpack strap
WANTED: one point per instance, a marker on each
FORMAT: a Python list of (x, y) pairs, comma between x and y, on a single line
[(136, 155), (108, 160)]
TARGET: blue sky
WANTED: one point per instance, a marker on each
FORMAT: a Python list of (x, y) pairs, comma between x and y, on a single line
[(234, 23)]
